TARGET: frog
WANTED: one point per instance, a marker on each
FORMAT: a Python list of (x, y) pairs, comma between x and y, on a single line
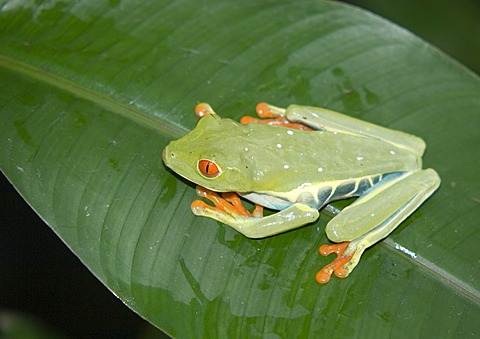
[(295, 162)]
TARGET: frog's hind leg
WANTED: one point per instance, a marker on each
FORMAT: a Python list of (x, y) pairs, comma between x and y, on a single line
[(326, 120), (374, 216)]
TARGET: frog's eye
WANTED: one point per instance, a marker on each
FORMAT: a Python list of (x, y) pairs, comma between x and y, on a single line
[(208, 168)]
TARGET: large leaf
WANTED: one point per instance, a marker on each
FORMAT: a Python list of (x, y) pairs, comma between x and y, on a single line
[(91, 92)]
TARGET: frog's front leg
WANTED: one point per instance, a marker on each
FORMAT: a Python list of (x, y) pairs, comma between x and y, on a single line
[(374, 216), (229, 210)]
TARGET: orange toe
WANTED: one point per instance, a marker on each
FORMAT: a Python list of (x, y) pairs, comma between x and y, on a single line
[(336, 266)]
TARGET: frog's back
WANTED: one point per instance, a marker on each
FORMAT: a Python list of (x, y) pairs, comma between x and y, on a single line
[(287, 158)]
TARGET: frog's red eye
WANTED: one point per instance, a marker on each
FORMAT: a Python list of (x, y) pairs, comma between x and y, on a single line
[(208, 168)]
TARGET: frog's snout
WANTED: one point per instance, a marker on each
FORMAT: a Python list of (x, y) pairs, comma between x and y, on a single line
[(164, 153), (168, 156)]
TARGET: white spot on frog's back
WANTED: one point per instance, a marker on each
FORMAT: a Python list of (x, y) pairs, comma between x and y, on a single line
[(279, 145), (289, 132), (258, 175), (320, 169), (359, 158)]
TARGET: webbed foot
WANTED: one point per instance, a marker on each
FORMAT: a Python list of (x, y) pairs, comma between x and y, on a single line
[(338, 265)]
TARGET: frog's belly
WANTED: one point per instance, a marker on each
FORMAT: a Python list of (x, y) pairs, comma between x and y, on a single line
[(317, 195)]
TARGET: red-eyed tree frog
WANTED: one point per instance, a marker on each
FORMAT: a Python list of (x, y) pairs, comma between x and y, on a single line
[(297, 161)]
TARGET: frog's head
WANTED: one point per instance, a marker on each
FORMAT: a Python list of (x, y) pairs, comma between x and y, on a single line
[(207, 155)]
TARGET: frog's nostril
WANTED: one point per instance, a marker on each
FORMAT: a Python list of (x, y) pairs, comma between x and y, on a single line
[(167, 155)]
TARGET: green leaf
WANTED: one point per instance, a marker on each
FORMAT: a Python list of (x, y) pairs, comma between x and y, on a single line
[(91, 92)]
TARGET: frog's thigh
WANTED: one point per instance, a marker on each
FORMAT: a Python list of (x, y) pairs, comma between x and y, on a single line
[(376, 214)]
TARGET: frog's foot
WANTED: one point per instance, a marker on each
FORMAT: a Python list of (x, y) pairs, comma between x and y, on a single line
[(265, 110), (203, 109), (228, 207), (348, 255), (336, 266), (276, 117)]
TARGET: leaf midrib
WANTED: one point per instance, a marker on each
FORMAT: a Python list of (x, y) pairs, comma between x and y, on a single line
[(435, 271), (163, 126)]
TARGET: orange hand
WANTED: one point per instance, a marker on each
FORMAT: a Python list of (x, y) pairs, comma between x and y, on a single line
[(336, 266), (233, 199), (229, 203)]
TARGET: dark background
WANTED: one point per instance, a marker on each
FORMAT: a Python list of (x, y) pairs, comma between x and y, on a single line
[(33, 258)]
